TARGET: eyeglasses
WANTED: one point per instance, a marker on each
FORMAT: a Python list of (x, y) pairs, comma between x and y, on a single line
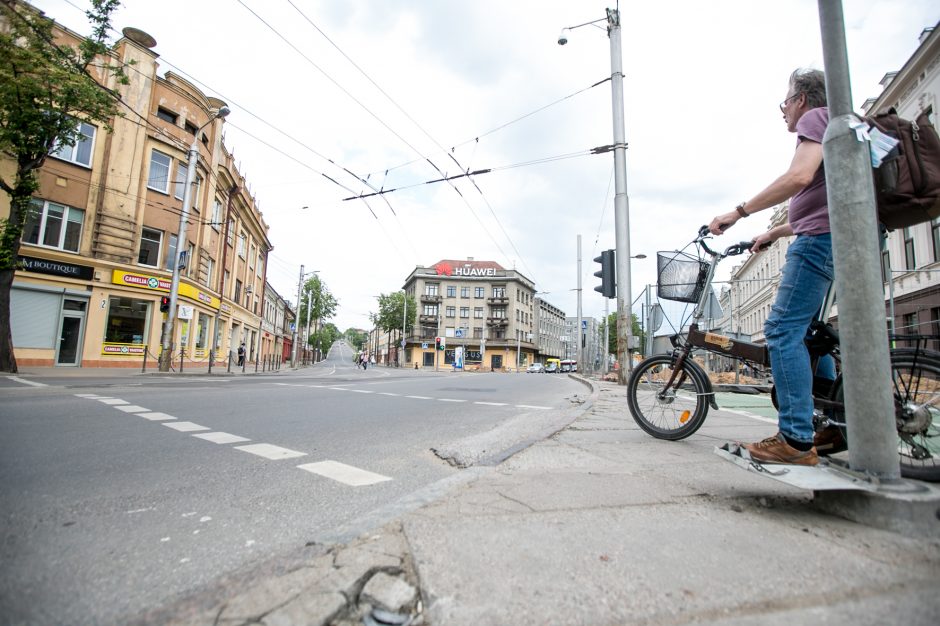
[(784, 103)]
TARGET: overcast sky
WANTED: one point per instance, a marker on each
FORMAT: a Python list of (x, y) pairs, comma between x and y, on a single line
[(474, 80)]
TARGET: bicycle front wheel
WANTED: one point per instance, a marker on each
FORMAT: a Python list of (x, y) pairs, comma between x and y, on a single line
[(671, 412)]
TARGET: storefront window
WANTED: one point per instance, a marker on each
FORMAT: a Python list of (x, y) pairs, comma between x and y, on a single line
[(202, 331), (127, 320)]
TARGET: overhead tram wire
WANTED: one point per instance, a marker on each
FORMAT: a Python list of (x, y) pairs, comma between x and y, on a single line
[(437, 143)]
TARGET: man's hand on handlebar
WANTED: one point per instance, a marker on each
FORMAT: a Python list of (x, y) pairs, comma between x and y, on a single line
[(762, 242), (723, 222)]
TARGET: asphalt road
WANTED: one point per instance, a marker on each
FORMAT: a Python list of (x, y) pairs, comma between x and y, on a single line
[(124, 493)]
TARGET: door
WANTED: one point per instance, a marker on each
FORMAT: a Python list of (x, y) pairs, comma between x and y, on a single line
[(496, 361), (70, 333)]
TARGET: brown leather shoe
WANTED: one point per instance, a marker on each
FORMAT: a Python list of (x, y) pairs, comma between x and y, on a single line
[(776, 450), (829, 440)]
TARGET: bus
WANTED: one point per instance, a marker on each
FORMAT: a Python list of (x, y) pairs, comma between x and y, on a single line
[(553, 365), (569, 365)]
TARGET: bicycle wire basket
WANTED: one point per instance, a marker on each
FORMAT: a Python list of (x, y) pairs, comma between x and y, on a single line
[(681, 276)]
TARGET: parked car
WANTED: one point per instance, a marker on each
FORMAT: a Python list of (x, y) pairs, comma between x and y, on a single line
[(535, 368), (551, 368)]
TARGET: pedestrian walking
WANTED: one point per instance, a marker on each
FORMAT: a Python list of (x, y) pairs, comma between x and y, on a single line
[(241, 355)]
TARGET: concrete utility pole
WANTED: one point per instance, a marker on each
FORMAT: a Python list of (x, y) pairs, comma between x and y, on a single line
[(300, 283), (166, 342), (577, 330), (869, 407), (621, 203)]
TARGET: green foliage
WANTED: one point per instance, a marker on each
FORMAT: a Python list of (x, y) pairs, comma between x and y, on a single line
[(612, 337), (356, 337), (317, 296), (391, 315)]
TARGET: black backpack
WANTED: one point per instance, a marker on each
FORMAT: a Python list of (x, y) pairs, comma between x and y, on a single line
[(907, 184)]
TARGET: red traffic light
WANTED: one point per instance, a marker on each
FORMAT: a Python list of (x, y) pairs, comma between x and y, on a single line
[(164, 303)]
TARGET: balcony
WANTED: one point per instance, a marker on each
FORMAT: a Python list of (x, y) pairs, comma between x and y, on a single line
[(497, 301), (427, 320), (497, 321), (426, 297)]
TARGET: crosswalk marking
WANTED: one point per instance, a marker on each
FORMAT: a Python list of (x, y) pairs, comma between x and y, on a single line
[(220, 437), (112, 401), (90, 396), (346, 474), (31, 383), (184, 427), (268, 451), (155, 416), (131, 408)]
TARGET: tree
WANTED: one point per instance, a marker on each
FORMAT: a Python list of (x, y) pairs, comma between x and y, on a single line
[(46, 86), (355, 337), (393, 312), (612, 334), (316, 298)]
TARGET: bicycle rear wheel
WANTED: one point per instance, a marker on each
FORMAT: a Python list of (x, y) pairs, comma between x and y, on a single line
[(916, 388), (665, 413)]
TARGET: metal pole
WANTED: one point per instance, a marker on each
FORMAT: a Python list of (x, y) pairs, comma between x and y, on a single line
[(866, 367), (309, 307), (606, 335), (166, 341), (648, 347), (621, 202), (293, 355), (404, 323), (577, 330)]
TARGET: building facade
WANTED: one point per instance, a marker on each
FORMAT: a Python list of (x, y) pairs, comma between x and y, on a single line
[(101, 238), (485, 310), (550, 325)]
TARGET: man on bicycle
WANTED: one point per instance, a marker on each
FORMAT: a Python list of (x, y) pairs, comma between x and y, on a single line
[(807, 274)]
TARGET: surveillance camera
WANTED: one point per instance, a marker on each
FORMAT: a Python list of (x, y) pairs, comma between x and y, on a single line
[(562, 40)]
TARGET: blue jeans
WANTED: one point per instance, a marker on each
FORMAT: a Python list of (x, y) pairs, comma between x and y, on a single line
[(806, 277)]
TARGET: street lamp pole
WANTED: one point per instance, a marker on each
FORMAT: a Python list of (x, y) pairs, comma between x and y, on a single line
[(166, 341)]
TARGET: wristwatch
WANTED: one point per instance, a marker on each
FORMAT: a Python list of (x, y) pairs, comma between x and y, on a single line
[(740, 210)]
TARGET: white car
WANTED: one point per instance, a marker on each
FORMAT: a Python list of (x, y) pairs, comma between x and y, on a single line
[(535, 368)]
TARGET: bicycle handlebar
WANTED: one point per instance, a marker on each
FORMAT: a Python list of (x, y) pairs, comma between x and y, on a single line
[(733, 250)]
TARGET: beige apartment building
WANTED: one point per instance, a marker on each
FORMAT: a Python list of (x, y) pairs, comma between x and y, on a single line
[(100, 241), (479, 308)]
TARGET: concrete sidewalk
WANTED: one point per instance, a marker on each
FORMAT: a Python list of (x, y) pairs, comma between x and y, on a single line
[(601, 524)]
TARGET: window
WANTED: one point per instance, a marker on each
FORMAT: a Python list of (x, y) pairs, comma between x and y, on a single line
[(430, 309), (194, 199), (451, 291), (430, 289), (230, 232), (885, 266), (478, 312), (180, 187), (167, 116), (251, 257), (191, 128), (127, 320), (216, 220), (80, 153), (172, 251), (191, 259), (237, 296), (260, 262), (910, 262), (499, 312), (499, 292), (935, 238), (159, 178), (226, 279), (477, 332), (53, 225), (242, 242), (210, 270), (150, 241), (465, 292), (465, 312), (202, 331), (451, 311), (478, 292)]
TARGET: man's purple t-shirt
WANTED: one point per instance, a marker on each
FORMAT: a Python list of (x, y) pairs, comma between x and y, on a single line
[(809, 208)]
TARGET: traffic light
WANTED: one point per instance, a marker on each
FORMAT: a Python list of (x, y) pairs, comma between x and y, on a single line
[(439, 343), (608, 276), (164, 304)]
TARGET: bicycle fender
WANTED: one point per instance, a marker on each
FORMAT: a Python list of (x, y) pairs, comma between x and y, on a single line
[(696, 370)]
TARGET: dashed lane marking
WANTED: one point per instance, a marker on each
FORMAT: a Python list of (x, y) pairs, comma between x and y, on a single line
[(90, 396), (155, 416), (532, 406), (420, 397), (131, 408), (386, 393), (491, 403), (184, 427), (23, 381), (450, 400), (268, 451), (220, 437), (361, 391), (346, 474)]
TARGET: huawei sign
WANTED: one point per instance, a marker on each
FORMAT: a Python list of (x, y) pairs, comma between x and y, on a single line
[(444, 269)]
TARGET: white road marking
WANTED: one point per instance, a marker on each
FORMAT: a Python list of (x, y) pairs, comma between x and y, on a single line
[(155, 416), (90, 396), (17, 379), (112, 401), (491, 403), (759, 418), (420, 397), (132, 408), (385, 393), (220, 437), (184, 427), (532, 406), (346, 474), (337, 388), (266, 450), (450, 400)]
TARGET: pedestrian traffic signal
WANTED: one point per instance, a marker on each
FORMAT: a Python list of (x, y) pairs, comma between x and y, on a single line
[(164, 304), (607, 274), (439, 343)]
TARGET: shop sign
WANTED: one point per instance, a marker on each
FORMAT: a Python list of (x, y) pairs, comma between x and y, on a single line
[(225, 308), (199, 353), (185, 312), (123, 349), (56, 268), (155, 283)]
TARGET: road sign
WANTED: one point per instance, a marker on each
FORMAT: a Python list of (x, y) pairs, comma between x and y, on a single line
[(458, 333), (402, 343), (583, 324), (424, 346)]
